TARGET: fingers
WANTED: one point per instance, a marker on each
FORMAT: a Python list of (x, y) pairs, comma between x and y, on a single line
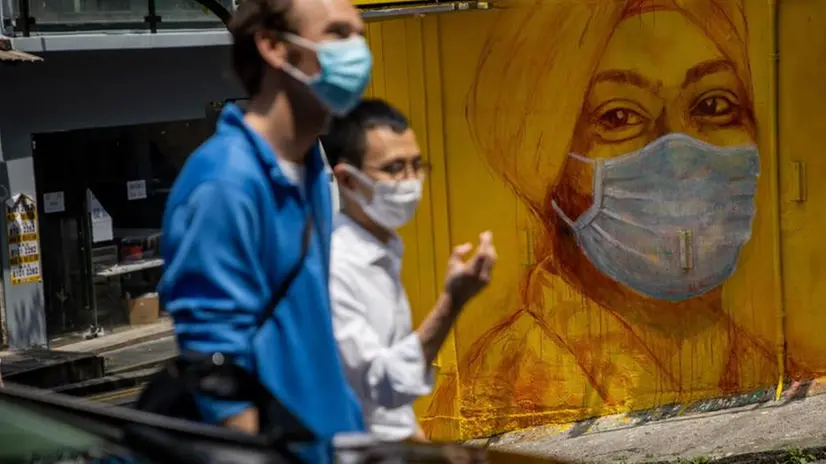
[(459, 252), (486, 254), (486, 238), (483, 258)]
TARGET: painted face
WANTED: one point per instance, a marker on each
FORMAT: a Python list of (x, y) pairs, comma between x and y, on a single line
[(661, 74), (655, 199)]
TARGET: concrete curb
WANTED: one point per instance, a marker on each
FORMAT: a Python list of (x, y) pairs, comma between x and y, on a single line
[(142, 365), (50, 369), (108, 383)]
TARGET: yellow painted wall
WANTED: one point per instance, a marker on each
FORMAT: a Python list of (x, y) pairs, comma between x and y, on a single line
[(803, 140), (406, 73), (500, 98)]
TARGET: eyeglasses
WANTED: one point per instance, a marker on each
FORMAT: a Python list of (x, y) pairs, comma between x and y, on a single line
[(397, 169)]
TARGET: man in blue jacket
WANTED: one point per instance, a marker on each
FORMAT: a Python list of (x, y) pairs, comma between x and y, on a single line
[(235, 218)]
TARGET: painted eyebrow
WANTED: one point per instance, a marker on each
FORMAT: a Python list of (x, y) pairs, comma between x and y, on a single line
[(627, 77), (706, 68), (693, 75)]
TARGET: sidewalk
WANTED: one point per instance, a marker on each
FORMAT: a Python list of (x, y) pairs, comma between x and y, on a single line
[(139, 356), (113, 341), (84, 361), (791, 430), (129, 337), (126, 371)]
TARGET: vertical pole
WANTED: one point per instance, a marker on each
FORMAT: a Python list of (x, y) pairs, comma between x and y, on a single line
[(24, 18), (89, 268), (4, 331), (152, 18)]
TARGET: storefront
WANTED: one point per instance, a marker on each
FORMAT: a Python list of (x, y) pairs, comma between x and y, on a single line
[(102, 195), (96, 152), (93, 136)]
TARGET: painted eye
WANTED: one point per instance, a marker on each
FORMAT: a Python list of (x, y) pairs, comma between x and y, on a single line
[(619, 118), (713, 106), (719, 108)]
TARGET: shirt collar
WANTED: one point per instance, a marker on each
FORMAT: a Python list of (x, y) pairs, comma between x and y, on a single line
[(231, 122), (371, 248)]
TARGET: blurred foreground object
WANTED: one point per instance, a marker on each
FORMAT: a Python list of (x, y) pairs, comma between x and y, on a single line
[(49, 427)]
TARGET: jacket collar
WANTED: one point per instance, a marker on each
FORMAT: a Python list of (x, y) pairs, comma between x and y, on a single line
[(231, 122)]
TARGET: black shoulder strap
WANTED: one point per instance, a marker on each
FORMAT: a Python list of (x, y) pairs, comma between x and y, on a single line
[(288, 279)]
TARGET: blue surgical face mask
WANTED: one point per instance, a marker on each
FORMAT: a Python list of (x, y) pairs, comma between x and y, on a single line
[(345, 67), (669, 219)]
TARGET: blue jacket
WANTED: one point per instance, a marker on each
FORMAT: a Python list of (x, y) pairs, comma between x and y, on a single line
[(231, 231)]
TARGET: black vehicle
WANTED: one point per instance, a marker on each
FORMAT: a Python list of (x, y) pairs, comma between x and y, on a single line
[(39, 426)]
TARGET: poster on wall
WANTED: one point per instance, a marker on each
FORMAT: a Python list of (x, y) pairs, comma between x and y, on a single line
[(101, 220), (136, 190), (23, 239), (53, 202)]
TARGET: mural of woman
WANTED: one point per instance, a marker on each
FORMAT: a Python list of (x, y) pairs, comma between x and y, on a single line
[(627, 127)]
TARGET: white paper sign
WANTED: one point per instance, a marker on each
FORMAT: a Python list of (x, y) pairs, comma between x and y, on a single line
[(101, 221), (53, 202), (136, 190), (23, 240)]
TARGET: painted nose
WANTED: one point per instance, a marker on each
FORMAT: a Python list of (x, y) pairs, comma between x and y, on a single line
[(670, 121)]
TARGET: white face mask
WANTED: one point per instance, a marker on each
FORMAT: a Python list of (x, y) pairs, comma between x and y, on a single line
[(394, 202)]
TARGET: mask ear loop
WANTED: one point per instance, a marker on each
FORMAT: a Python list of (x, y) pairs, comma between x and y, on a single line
[(300, 41), (556, 207), (360, 177), (294, 72)]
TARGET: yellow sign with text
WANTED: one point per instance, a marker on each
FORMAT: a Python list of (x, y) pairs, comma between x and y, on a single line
[(23, 240)]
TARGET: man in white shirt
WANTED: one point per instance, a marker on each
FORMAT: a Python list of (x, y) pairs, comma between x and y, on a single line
[(379, 169)]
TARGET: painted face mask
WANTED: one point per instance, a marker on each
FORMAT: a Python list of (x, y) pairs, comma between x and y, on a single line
[(669, 219), (345, 67), (394, 203)]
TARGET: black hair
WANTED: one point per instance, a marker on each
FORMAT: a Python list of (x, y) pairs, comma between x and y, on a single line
[(346, 138)]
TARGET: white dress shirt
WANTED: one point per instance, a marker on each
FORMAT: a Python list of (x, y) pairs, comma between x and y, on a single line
[(382, 355)]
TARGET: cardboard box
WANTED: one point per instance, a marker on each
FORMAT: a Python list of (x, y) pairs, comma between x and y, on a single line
[(143, 309)]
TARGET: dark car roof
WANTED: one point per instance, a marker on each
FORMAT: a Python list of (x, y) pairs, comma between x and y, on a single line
[(56, 422)]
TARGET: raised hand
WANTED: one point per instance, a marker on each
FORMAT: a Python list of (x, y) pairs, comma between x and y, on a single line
[(466, 278)]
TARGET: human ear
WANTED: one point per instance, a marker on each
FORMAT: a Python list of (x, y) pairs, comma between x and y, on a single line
[(272, 50), (343, 178)]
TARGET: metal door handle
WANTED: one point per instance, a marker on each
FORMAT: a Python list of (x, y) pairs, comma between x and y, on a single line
[(798, 181)]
